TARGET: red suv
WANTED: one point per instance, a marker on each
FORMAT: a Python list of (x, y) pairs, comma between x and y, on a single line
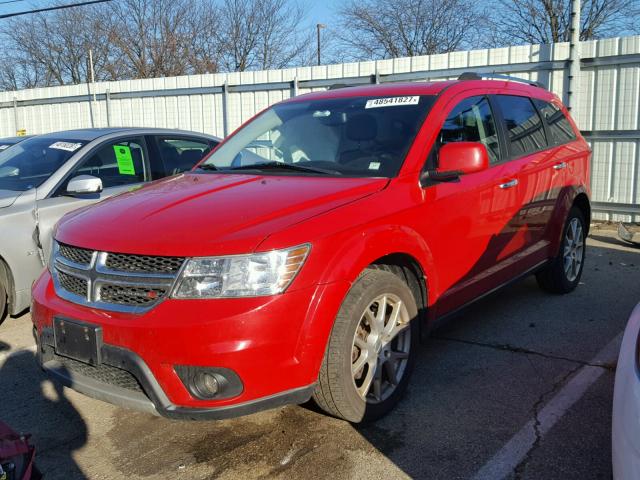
[(304, 257)]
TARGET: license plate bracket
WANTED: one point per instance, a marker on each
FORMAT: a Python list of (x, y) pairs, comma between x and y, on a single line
[(78, 340)]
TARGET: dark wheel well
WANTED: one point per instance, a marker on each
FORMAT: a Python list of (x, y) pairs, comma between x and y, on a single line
[(582, 202), (409, 270), (6, 279)]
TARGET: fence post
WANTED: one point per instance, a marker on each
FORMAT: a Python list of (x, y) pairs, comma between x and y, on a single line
[(107, 99), (574, 56), (225, 108), (294, 87), (15, 114)]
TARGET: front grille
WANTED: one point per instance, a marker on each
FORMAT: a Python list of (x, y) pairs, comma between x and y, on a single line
[(75, 254), (102, 373), (129, 295), (113, 281), (73, 284), (143, 263)]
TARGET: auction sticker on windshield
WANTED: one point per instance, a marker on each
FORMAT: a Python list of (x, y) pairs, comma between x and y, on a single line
[(392, 101), (67, 146)]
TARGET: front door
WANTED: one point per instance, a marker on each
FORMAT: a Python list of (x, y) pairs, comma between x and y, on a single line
[(121, 164), (467, 219)]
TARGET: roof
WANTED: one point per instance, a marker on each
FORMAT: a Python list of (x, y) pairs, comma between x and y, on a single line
[(418, 88), (89, 134), (13, 140)]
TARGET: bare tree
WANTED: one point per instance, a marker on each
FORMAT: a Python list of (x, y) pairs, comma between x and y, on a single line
[(396, 28), (548, 21), (261, 34)]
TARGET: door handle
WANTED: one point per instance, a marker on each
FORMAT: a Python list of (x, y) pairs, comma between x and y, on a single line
[(560, 166), (509, 184)]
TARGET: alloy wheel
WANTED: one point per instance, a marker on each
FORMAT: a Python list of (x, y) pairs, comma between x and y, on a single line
[(380, 349), (573, 249)]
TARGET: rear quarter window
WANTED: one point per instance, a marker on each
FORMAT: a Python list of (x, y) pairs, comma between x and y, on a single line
[(558, 124)]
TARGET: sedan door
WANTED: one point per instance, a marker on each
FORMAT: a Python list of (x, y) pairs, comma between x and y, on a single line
[(121, 164)]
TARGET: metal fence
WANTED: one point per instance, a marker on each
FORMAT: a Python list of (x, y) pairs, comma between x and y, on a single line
[(606, 102)]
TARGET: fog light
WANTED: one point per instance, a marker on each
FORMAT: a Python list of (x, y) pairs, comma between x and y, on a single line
[(209, 383), (206, 384)]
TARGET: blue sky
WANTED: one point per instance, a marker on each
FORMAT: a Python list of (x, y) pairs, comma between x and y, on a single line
[(318, 11), (322, 11)]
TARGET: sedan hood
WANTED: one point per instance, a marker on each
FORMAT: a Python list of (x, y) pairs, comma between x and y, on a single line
[(7, 197), (208, 214)]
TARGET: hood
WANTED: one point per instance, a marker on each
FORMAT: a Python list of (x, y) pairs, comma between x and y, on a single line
[(208, 214), (7, 197)]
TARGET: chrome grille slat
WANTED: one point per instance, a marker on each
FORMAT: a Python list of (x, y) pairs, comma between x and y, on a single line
[(98, 284)]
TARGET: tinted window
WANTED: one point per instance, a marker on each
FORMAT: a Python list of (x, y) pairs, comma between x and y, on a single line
[(179, 155), (559, 126), (116, 164), (472, 121), (27, 164), (353, 136), (524, 127)]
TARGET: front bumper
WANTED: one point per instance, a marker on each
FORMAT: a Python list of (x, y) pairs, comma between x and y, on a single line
[(626, 405), (274, 344)]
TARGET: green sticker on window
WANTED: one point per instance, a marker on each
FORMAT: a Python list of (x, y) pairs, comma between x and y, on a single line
[(124, 159)]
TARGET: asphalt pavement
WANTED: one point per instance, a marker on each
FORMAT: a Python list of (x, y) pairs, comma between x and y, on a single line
[(520, 384)]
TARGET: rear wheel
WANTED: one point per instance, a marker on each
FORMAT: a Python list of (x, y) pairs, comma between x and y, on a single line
[(563, 274), (371, 349)]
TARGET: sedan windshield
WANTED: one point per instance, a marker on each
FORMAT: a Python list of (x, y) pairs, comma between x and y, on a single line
[(355, 136), (28, 164)]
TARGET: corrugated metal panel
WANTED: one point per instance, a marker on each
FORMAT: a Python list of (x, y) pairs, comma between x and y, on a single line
[(608, 98)]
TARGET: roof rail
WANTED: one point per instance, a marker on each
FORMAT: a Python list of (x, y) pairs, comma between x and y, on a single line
[(497, 76)]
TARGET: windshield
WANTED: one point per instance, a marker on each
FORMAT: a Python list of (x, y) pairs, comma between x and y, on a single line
[(356, 136), (29, 163)]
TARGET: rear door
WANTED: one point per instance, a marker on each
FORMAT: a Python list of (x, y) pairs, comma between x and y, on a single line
[(121, 164), (528, 148)]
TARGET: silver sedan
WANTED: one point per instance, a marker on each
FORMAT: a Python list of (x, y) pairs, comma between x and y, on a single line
[(46, 176)]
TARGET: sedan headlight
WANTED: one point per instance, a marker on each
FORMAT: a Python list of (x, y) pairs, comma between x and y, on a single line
[(252, 275)]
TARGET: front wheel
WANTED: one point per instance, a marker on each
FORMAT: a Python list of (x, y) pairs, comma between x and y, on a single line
[(563, 274), (3, 303), (371, 350)]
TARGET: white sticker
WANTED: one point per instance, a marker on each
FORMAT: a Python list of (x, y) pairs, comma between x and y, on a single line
[(69, 147), (4, 147), (374, 165), (392, 101)]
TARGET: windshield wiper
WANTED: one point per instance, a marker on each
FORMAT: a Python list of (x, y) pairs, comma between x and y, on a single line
[(286, 166), (207, 166)]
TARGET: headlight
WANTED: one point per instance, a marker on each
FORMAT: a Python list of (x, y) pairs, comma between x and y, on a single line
[(253, 275)]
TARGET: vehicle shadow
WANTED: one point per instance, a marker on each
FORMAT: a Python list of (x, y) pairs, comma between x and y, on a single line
[(30, 403)]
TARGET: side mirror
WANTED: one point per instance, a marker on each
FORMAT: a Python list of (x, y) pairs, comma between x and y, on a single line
[(84, 184), (458, 158)]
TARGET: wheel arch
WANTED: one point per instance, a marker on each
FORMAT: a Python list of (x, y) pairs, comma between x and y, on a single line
[(582, 202), (409, 269), (6, 279), (385, 245)]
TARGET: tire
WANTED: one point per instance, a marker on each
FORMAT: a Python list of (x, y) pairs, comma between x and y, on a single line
[(384, 357), (563, 274), (3, 303)]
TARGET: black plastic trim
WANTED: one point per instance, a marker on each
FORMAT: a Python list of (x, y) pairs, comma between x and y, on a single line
[(156, 401)]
